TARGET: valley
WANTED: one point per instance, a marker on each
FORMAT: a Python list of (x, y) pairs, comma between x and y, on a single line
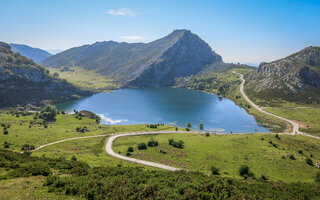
[(131, 113)]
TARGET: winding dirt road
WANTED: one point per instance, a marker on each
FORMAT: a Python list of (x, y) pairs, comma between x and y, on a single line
[(295, 125)]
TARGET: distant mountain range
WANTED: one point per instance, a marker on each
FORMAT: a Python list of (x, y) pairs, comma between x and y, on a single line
[(157, 63), (34, 54), (181, 54), (54, 51), (294, 78), (22, 81)]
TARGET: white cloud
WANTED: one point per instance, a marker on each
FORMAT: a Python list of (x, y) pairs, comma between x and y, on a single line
[(132, 38), (120, 12)]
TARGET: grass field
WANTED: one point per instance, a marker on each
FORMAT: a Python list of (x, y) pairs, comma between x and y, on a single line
[(20, 131), (86, 78), (89, 150), (308, 118), (228, 153)]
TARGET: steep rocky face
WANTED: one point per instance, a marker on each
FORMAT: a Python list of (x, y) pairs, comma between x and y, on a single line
[(34, 54), (22, 81), (157, 63), (298, 73)]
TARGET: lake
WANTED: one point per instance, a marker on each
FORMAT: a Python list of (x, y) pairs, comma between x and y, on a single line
[(173, 106)]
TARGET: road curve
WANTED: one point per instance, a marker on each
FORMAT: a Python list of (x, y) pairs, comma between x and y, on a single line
[(295, 126), (65, 140), (143, 162)]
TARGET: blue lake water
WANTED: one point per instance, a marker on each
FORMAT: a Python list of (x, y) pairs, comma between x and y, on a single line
[(174, 106)]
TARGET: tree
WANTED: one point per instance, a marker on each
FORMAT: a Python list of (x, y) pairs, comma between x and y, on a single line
[(171, 141), (189, 125), (48, 112), (201, 126), (214, 170), (142, 146)]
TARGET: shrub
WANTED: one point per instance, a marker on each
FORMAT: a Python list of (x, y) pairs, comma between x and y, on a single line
[(207, 134), (300, 151), (179, 144), (128, 154), (292, 157), (214, 170), (152, 143), (244, 170), (189, 125), (74, 158), (142, 146), (153, 126), (277, 136), (5, 132), (6, 145), (187, 129), (176, 128), (309, 161), (130, 149), (263, 177), (27, 147)]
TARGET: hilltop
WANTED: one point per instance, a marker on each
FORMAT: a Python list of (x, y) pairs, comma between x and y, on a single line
[(295, 78), (34, 54), (23, 81), (157, 63)]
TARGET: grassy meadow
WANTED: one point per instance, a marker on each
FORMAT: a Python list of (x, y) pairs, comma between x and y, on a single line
[(85, 78), (229, 152), (308, 118), (21, 131)]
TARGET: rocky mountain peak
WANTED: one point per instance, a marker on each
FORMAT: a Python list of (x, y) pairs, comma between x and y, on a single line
[(157, 63), (297, 74)]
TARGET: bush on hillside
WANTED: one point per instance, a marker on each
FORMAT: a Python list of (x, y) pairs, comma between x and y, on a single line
[(48, 113), (142, 146)]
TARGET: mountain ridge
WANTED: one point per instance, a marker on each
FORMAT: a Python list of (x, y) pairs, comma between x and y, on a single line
[(156, 63), (297, 74), (35, 54), (22, 81)]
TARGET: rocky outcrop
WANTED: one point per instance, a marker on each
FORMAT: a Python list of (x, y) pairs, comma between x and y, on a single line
[(22, 81), (157, 63), (298, 73)]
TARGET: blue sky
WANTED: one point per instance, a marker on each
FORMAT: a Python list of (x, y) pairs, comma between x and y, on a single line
[(239, 30)]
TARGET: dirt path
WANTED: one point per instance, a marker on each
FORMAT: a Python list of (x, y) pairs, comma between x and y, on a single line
[(295, 125), (65, 140)]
